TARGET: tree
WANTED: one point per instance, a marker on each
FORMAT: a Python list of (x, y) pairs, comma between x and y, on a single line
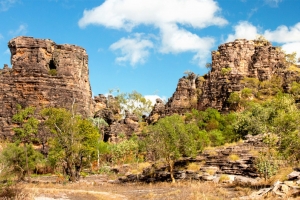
[(135, 103), (100, 123), (26, 131), (74, 140), (170, 138), (19, 161)]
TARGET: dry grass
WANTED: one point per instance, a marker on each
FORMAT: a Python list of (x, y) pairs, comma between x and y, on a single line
[(281, 175), (233, 157), (194, 166), (224, 178), (188, 190)]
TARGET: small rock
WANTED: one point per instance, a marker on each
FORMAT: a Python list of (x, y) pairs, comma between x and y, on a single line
[(284, 188), (208, 177), (294, 175)]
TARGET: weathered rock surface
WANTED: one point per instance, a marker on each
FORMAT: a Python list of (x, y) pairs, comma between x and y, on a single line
[(230, 64), (44, 74), (118, 126), (213, 164)]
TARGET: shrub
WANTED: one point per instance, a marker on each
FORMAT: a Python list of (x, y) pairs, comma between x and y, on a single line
[(225, 71), (233, 157), (224, 178), (52, 72), (193, 166)]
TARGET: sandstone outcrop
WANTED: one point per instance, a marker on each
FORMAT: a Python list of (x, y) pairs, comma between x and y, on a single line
[(231, 63), (44, 74), (236, 163), (118, 126)]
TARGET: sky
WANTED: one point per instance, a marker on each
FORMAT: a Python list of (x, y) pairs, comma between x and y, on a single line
[(147, 45)]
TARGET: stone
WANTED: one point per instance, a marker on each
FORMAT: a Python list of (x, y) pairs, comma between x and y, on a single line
[(245, 180), (231, 63), (44, 74), (294, 175), (284, 188)]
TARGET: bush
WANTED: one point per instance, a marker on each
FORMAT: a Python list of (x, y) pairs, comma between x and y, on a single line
[(225, 71), (52, 72)]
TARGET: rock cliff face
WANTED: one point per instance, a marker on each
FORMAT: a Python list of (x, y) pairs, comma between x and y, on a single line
[(44, 74), (118, 126), (231, 63)]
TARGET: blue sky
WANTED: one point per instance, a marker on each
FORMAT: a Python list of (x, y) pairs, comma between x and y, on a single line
[(147, 45)]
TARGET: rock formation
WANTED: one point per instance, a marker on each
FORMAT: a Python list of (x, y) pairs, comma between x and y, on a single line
[(44, 74), (231, 63), (118, 126)]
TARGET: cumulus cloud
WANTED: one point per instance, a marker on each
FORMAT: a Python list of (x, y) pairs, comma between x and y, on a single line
[(178, 40), (243, 30), (292, 47), (288, 37), (170, 17), (22, 30), (134, 50), (153, 98), (6, 4), (284, 34)]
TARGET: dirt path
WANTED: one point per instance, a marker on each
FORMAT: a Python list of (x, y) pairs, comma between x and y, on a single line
[(69, 194)]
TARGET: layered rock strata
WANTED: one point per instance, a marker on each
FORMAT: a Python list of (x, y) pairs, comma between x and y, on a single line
[(118, 126), (44, 74), (231, 63)]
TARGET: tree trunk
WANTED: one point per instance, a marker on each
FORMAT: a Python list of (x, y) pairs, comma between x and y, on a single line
[(70, 172), (27, 167), (171, 166)]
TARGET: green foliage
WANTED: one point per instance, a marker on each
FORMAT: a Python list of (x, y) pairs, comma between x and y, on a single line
[(214, 125), (278, 116), (295, 89), (246, 93), (225, 70), (134, 102), (291, 58), (125, 151), (74, 140), (52, 72), (234, 98), (170, 138), (25, 132), (267, 165), (27, 124), (216, 138), (271, 87), (261, 41), (100, 123), (18, 161)]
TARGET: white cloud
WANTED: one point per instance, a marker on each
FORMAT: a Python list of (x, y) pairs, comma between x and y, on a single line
[(243, 30), (126, 14), (284, 34), (178, 40), (134, 50), (1, 36), (22, 30), (169, 16), (6, 4), (273, 3), (288, 37), (292, 47), (153, 98)]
